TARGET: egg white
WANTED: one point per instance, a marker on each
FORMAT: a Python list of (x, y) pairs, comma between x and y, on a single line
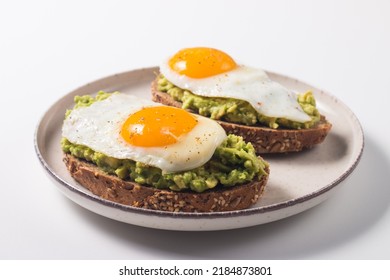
[(98, 127), (253, 85)]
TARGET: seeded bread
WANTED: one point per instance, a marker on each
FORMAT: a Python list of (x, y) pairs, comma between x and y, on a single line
[(264, 139), (112, 188)]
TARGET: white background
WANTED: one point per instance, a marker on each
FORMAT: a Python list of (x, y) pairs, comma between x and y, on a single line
[(49, 48)]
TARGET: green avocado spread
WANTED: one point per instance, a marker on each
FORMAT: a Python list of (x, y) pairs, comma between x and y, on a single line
[(237, 111), (234, 162)]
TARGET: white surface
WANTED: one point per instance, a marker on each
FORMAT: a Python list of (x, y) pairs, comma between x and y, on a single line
[(48, 49)]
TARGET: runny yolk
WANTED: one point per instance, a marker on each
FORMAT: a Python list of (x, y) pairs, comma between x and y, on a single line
[(201, 62), (157, 126)]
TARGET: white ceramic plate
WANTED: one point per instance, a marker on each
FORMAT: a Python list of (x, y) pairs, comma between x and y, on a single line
[(297, 182)]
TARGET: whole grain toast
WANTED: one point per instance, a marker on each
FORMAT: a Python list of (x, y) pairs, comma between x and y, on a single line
[(113, 188), (264, 139)]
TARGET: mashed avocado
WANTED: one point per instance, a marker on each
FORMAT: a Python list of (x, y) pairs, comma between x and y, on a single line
[(87, 100), (234, 162), (237, 111)]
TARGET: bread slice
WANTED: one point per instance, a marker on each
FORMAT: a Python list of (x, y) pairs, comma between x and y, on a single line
[(112, 188), (264, 139)]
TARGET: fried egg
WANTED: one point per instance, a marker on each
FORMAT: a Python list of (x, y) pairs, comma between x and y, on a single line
[(127, 127), (213, 73)]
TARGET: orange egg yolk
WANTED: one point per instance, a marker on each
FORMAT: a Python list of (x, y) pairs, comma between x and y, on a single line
[(201, 62), (157, 126)]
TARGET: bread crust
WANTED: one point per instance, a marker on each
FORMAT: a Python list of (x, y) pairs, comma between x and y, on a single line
[(112, 188), (264, 139)]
